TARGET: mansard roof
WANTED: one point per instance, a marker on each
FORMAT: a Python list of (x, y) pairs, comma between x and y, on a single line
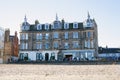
[(33, 26)]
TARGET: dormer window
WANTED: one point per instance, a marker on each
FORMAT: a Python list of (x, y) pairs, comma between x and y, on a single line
[(46, 26), (89, 22), (39, 27), (75, 25), (25, 25), (66, 25)]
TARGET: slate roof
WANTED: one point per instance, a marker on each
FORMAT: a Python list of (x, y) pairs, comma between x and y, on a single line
[(33, 28), (108, 50)]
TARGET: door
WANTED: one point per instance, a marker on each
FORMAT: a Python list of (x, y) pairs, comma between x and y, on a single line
[(46, 56)]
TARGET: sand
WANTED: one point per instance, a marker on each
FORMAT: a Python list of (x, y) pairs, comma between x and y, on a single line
[(59, 72)]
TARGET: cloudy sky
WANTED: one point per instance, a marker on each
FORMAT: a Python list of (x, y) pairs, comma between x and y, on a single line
[(105, 12)]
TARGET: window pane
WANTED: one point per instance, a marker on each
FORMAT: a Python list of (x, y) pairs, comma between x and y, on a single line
[(75, 25), (66, 25), (75, 45), (88, 43), (46, 35), (40, 56), (37, 46), (39, 27), (37, 56), (89, 34), (66, 35), (40, 47), (85, 44), (46, 26), (56, 35), (26, 46), (21, 56), (75, 34), (92, 45), (55, 44), (66, 46), (47, 46), (40, 36)]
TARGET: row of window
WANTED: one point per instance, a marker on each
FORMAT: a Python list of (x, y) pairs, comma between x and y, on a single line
[(89, 44), (24, 36), (75, 44), (56, 45), (39, 56), (47, 26), (39, 27), (39, 36), (88, 34), (56, 35)]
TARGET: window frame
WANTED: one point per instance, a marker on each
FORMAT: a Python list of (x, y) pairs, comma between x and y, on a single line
[(66, 25), (75, 27)]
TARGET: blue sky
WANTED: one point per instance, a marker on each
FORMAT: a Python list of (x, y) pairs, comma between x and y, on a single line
[(105, 12)]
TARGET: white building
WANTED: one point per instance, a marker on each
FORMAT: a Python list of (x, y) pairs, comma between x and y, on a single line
[(1, 44)]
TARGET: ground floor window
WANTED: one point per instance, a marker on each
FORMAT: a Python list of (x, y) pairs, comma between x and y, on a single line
[(86, 55), (39, 56), (52, 58), (21, 56), (24, 56)]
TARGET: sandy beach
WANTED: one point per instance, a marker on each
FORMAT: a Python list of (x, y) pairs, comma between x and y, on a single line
[(59, 72)]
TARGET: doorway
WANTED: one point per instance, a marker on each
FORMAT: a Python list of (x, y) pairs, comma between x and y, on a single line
[(68, 57), (46, 56)]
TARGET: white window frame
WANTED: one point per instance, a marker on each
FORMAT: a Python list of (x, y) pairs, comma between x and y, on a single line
[(66, 25), (46, 26), (39, 27), (75, 26)]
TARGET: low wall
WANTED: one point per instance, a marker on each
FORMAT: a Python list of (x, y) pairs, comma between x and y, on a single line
[(68, 62)]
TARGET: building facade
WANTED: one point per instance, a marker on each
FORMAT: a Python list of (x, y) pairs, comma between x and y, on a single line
[(2, 33), (59, 40), (110, 54), (10, 47)]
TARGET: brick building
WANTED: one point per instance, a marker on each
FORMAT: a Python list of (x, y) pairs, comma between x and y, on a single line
[(59, 40), (10, 46)]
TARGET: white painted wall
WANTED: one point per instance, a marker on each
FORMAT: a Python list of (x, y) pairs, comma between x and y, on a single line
[(32, 54), (1, 60)]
